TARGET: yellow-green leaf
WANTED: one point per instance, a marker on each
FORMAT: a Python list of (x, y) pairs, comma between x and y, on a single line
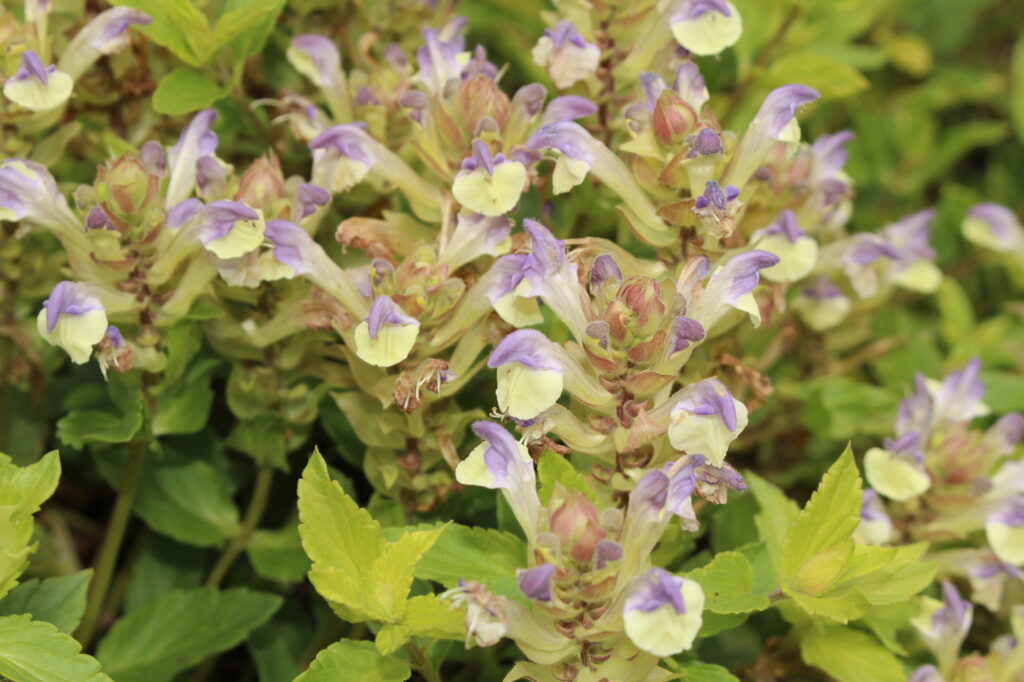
[(728, 585), (831, 77), (392, 573), (850, 655)]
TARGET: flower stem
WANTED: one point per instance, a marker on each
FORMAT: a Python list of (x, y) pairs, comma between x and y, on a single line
[(421, 663), (111, 546), (253, 514)]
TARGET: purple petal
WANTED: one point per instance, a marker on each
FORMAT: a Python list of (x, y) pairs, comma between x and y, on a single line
[(183, 212), (535, 583), (654, 589), (684, 332), (709, 397), (781, 105), (568, 108), (383, 311), (68, 298), (528, 347)]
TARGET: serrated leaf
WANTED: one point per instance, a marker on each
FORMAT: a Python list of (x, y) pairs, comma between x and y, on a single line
[(777, 513), (349, 661), (179, 629), (392, 572), (245, 25), (34, 651), (554, 468), (705, 672), (886, 621), (177, 25), (818, 545), (22, 491), (427, 615), (183, 91), (842, 604), (390, 639), (831, 77), (1017, 88), (183, 407), (59, 601), (849, 655), (728, 585), (277, 554)]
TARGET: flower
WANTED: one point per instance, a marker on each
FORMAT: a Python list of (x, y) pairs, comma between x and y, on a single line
[(796, 251), (706, 27), (535, 582), (994, 227), (316, 58), (567, 57), (37, 87), (73, 319), (529, 373), (716, 208), (230, 229), (822, 306), (914, 267), (489, 185), (442, 56), (875, 525), (1005, 531), (731, 287), (502, 462), (943, 625), (898, 471), (386, 336), (106, 34), (662, 613), (705, 420), (192, 159), (342, 156)]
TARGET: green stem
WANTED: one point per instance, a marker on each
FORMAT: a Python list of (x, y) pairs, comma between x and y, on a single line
[(420, 662), (107, 556), (253, 514)]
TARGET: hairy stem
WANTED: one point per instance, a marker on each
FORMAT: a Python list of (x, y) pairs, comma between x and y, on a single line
[(107, 556), (421, 663), (253, 514)]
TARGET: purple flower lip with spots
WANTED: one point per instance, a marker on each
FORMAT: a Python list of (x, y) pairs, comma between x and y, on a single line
[(704, 143), (97, 219), (383, 311), (654, 589), (535, 583), (707, 398), (33, 67), (564, 33), (68, 298), (348, 139), (528, 347), (684, 332), (785, 225), (715, 196), (1011, 513), (481, 158), (221, 216), (822, 289), (311, 197)]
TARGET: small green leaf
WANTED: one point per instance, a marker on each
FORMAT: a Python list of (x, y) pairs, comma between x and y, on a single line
[(829, 76), (777, 513), (179, 629), (34, 651), (728, 585), (23, 490), (182, 407), (842, 604), (554, 468), (79, 427), (348, 661), (849, 655), (818, 546), (277, 554), (696, 671), (1017, 88), (185, 90), (392, 572), (177, 25), (59, 600), (245, 25)]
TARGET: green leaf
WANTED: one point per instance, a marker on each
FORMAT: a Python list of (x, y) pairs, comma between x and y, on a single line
[(819, 545), (958, 320), (162, 566), (185, 90), (278, 648), (485, 555), (79, 427), (349, 661), (842, 604), (22, 490), (705, 672), (392, 572), (264, 439), (277, 554), (728, 585), (183, 407), (177, 25), (179, 629), (59, 601), (245, 25), (849, 655), (1017, 88), (554, 468), (886, 621), (900, 579), (33, 651), (777, 513), (829, 76)]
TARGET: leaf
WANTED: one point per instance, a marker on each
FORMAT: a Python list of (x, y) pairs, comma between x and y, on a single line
[(392, 572), (183, 91), (162, 566), (554, 468), (428, 616), (728, 583), (777, 513), (818, 545), (958, 320), (886, 621), (485, 555), (33, 651), (59, 601), (263, 439), (705, 672), (245, 25), (279, 647), (79, 427), (179, 629), (1017, 88), (849, 655), (841, 604), (22, 490), (177, 25), (183, 407), (829, 76), (277, 554), (903, 577), (349, 661)]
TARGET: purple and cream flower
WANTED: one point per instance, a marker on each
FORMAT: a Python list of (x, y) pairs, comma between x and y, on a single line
[(717, 207), (73, 319), (994, 227), (489, 185), (797, 252), (822, 306), (510, 293), (230, 229), (475, 235), (705, 419), (192, 158), (387, 334), (536, 583), (311, 198), (705, 27), (504, 463), (529, 373), (663, 612), (715, 482), (914, 268), (549, 274), (875, 526), (106, 34), (36, 86), (317, 58), (442, 57), (565, 54), (943, 625), (29, 192), (1004, 529), (730, 288), (898, 470)]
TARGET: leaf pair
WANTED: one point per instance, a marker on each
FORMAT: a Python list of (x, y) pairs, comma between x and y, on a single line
[(362, 576)]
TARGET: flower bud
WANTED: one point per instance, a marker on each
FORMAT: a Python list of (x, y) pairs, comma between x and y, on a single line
[(262, 183), (577, 525), (127, 187), (673, 119)]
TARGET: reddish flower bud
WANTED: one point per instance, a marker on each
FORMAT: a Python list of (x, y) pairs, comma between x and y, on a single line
[(673, 119), (577, 525), (262, 183)]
